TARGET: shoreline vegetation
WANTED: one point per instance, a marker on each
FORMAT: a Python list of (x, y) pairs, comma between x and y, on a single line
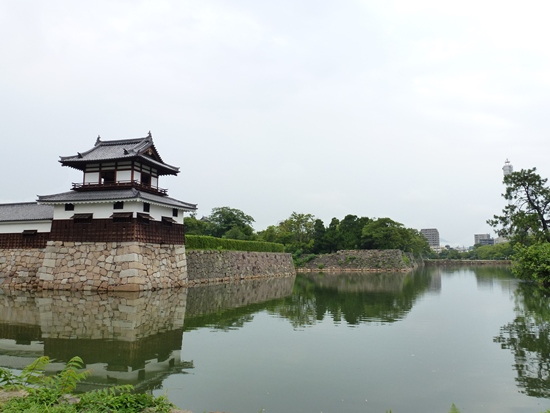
[(33, 391)]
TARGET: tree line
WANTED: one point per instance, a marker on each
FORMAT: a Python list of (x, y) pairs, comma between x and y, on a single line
[(304, 233)]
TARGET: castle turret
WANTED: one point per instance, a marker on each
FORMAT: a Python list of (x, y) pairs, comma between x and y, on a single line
[(118, 198)]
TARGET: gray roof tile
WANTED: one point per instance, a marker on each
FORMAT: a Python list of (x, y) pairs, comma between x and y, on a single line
[(118, 150), (114, 195), (25, 211)]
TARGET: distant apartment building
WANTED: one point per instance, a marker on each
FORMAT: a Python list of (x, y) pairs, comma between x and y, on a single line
[(501, 240), (483, 239), (432, 235)]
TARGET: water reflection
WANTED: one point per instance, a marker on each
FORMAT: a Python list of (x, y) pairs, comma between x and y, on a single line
[(136, 338), (355, 297), (124, 338), (528, 337), (230, 306)]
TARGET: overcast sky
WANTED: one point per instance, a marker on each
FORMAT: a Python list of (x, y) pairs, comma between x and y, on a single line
[(395, 108)]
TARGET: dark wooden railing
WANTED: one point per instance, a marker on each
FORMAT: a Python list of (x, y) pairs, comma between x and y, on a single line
[(93, 186)]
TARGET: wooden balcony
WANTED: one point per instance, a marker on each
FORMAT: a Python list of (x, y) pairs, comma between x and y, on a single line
[(93, 186)]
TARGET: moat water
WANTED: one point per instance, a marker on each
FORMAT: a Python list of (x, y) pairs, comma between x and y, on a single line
[(416, 342)]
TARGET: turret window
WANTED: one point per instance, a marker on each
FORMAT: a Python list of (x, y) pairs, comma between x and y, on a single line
[(146, 207), (107, 177), (69, 207), (145, 179), (175, 212), (118, 205)]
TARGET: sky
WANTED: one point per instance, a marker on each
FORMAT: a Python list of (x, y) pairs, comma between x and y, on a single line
[(392, 108)]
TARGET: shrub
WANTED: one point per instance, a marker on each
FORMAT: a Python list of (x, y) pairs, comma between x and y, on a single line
[(203, 242), (532, 263)]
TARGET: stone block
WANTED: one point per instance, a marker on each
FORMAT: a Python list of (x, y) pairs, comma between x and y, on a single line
[(130, 272), (126, 257)]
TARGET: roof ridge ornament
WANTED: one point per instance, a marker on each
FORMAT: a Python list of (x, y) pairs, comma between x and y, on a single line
[(98, 140), (150, 135)]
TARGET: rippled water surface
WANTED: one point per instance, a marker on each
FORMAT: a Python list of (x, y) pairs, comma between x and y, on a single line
[(317, 343)]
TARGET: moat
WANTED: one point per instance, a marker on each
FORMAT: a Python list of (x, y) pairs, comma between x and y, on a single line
[(411, 342)]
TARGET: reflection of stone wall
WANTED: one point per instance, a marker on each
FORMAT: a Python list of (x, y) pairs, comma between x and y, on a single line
[(83, 315), (212, 298), (211, 266), (124, 337), (361, 260), (357, 282)]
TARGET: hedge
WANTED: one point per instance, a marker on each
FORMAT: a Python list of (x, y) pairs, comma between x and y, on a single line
[(202, 242)]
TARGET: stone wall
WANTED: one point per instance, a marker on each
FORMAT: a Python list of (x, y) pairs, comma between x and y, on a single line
[(361, 260), (123, 266), (132, 266), (212, 266), (18, 266)]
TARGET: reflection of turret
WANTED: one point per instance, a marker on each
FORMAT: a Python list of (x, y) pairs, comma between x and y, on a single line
[(128, 338)]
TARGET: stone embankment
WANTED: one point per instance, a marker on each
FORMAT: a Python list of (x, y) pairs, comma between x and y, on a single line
[(213, 266), (132, 266), (86, 266), (361, 261)]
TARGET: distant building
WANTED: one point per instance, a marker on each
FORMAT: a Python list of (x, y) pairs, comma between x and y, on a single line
[(432, 235), (487, 241), (507, 168), (483, 239), (501, 240)]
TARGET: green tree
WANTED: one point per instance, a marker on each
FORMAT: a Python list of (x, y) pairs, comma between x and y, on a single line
[(350, 230), (502, 251), (230, 222), (319, 241), (297, 232), (532, 262), (332, 236), (194, 226), (384, 233), (527, 215), (270, 234)]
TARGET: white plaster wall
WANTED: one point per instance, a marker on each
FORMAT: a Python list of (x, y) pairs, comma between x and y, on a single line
[(137, 176), (105, 210), (158, 212), (100, 210), (124, 175), (15, 227), (154, 182), (91, 177)]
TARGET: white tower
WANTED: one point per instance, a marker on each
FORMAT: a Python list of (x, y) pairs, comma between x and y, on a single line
[(507, 168)]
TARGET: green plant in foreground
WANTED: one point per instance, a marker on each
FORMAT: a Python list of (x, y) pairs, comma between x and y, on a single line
[(53, 393)]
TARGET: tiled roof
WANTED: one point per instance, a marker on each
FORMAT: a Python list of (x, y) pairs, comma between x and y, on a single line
[(25, 211), (114, 195), (119, 150)]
